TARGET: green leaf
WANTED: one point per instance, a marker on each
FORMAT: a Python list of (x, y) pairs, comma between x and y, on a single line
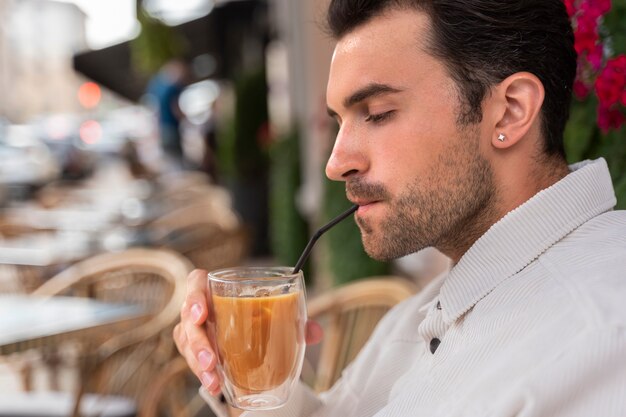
[(288, 229), (579, 131)]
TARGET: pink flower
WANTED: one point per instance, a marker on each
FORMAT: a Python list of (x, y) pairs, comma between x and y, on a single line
[(611, 83), (596, 8), (595, 57), (580, 89), (610, 119), (570, 6), (586, 36), (607, 79)]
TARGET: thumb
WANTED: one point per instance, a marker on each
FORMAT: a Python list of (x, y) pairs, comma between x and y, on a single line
[(314, 332)]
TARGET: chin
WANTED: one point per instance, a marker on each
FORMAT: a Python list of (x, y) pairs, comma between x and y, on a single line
[(375, 249), (387, 248)]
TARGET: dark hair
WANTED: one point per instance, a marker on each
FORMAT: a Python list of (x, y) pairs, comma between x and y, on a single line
[(482, 42)]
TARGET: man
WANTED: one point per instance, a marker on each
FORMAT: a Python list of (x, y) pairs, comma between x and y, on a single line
[(163, 92), (451, 116)]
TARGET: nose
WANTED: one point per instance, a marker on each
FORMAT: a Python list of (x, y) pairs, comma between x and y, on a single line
[(348, 157)]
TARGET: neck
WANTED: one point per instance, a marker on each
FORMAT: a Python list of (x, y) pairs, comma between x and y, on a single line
[(514, 186)]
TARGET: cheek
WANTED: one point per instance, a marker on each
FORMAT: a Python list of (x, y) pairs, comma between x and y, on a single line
[(396, 170), (408, 153)]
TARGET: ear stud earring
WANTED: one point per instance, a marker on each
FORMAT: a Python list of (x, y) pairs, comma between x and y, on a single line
[(501, 137)]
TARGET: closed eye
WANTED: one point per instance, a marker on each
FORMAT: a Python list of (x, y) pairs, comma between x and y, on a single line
[(379, 118)]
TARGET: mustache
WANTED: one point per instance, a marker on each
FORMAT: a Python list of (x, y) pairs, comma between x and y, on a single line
[(359, 189)]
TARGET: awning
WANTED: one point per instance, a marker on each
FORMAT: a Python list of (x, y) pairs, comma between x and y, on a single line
[(220, 34)]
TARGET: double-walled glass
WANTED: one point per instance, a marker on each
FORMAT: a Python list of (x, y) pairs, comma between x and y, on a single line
[(257, 324)]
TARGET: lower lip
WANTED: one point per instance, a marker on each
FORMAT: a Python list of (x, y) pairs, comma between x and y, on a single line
[(365, 208)]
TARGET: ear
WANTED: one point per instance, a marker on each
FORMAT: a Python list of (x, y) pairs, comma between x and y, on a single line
[(517, 102)]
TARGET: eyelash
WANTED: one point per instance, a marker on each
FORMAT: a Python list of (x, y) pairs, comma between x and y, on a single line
[(379, 118)]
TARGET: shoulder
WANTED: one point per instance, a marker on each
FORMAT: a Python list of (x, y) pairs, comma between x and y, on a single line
[(599, 245), (590, 265)]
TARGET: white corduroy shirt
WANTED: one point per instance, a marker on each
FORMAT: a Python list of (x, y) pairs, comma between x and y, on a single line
[(531, 322)]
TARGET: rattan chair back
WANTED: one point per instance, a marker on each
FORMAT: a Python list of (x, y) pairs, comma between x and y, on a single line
[(348, 315)]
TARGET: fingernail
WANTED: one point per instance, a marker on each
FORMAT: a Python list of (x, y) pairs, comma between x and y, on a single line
[(207, 379), (196, 312), (205, 359)]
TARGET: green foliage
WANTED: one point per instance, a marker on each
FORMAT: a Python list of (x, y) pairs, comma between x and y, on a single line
[(581, 130), (240, 154), (225, 137), (288, 230), (156, 44), (583, 138), (615, 22), (249, 153), (347, 259)]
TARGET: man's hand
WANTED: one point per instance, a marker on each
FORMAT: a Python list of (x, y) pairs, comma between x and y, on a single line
[(191, 337)]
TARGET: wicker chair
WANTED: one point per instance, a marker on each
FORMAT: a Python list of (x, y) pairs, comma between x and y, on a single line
[(118, 367), (174, 393), (189, 194), (348, 315), (210, 247), (207, 246), (202, 211)]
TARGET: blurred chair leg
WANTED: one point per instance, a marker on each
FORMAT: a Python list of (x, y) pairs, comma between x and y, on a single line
[(26, 376), (52, 360), (158, 388)]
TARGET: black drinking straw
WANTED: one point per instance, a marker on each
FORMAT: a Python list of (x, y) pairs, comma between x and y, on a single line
[(320, 232)]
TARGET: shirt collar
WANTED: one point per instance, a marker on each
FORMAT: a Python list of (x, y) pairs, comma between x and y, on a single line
[(523, 234)]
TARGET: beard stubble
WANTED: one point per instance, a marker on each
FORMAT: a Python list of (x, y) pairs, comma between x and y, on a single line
[(448, 208)]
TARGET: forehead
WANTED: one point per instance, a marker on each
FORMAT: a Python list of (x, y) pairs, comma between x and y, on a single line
[(391, 46), (394, 27)]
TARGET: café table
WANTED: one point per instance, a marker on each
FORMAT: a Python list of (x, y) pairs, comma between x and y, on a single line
[(44, 324), (28, 322), (45, 248), (31, 322)]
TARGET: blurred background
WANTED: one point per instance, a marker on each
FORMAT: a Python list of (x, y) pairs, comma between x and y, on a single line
[(191, 128), (124, 93), (195, 129)]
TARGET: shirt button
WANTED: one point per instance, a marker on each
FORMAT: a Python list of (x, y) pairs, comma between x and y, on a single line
[(434, 344), (438, 305)]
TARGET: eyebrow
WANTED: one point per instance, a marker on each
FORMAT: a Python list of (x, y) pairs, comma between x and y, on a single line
[(370, 90)]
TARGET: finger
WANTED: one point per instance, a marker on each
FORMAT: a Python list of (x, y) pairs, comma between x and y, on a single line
[(206, 374), (314, 332), (211, 382), (190, 334), (202, 364), (198, 347), (195, 345), (195, 307), (180, 339)]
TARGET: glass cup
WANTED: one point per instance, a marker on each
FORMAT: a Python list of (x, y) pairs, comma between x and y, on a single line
[(256, 325)]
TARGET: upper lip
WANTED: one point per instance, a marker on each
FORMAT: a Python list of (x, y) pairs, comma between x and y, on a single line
[(361, 202)]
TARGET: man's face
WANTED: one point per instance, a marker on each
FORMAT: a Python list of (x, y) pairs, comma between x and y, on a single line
[(419, 178)]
